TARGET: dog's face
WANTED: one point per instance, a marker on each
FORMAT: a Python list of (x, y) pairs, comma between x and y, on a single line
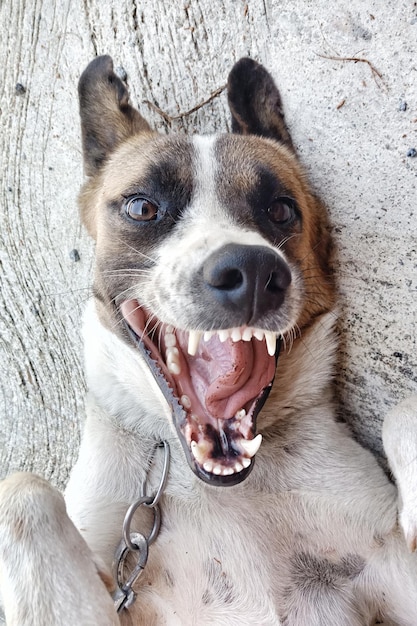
[(208, 250)]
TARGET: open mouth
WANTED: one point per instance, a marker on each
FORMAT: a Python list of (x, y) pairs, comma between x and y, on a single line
[(216, 383)]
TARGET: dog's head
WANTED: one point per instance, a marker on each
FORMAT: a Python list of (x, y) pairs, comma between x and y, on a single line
[(208, 250)]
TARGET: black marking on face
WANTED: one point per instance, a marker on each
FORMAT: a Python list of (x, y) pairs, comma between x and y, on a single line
[(247, 188), (130, 244)]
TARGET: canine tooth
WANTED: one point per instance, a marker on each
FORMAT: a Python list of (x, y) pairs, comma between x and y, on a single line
[(258, 333), (193, 341), (251, 446), (246, 462), (199, 452), (185, 401), (271, 342), (217, 469), (240, 414), (223, 335), (236, 335), (208, 466), (170, 340), (209, 334), (247, 334), (174, 368)]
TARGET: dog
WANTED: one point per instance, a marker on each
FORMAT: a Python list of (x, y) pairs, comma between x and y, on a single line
[(212, 278)]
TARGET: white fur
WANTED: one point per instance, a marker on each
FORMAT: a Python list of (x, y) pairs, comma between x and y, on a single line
[(205, 227), (310, 538), (224, 556)]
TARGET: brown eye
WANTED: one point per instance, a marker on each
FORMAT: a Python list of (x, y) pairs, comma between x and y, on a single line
[(281, 211), (141, 209)]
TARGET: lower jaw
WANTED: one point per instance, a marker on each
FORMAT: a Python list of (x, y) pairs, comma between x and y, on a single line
[(226, 464)]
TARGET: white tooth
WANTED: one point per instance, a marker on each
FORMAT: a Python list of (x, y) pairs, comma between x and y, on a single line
[(227, 471), (174, 368), (271, 342), (246, 462), (258, 333), (240, 414), (193, 341), (173, 363), (236, 335), (209, 334), (251, 446), (247, 334), (217, 469), (186, 402), (170, 340), (238, 467), (208, 466), (223, 335), (169, 329), (188, 432), (198, 451)]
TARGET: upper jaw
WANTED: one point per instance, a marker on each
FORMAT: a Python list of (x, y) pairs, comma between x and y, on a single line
[(216, 430)]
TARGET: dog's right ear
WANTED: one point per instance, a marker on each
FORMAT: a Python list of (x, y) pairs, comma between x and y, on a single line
[(107, 118), (255, 103)]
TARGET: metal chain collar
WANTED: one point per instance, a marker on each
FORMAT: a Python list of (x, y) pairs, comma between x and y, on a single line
[(135, 542)]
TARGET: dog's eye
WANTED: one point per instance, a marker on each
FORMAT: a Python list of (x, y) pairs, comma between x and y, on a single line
[(141, 209), (281, 210)]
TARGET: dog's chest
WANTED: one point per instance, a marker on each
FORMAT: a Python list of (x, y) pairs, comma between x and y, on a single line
[(220, 574)]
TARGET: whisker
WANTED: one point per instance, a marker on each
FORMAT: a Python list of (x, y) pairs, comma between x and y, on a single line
[(129, 272), (119, 322), (145, 256), (286, 240)]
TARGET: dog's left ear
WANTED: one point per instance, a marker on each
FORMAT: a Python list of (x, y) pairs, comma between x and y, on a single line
[(255, 103)]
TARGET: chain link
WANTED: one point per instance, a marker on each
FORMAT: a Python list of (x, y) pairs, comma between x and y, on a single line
[(136, 543)]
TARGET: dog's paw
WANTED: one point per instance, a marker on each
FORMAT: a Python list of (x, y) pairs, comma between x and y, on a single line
[(26, 502)]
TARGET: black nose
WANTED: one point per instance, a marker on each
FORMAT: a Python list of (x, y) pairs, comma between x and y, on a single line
[(249, 280)]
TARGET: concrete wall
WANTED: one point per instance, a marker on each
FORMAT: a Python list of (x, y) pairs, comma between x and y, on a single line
[(354, 123)]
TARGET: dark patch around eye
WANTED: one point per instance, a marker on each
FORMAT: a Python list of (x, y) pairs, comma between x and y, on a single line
[(170, 183), (266, 188)]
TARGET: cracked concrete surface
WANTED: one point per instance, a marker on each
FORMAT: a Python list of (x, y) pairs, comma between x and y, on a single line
[(347, 72)]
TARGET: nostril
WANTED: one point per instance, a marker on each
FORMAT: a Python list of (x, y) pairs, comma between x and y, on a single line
[(247, 281), (227, 279), (278, 281)]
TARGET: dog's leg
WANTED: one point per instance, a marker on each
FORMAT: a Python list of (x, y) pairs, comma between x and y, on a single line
[(48, 576), (400, 443)]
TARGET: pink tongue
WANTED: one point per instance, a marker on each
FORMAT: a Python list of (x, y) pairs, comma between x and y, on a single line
[(226, 376)]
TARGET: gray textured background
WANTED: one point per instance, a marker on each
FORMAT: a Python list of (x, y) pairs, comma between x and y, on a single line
[(353, 130)]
